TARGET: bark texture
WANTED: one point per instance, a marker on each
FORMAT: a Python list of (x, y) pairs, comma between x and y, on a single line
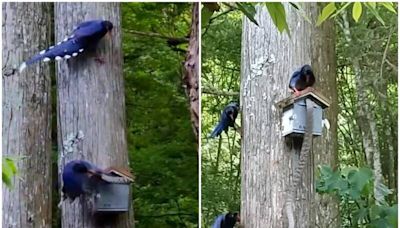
[(27, 115), (325, 147), (268, 60), (191, 77), (91, 99)]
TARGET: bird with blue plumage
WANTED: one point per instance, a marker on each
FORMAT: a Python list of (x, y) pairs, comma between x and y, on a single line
[(227, 119), (80, 177), (302, 79), (84, 37)]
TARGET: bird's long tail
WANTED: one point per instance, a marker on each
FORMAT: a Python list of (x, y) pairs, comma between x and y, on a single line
[(217, 130), (62, 50)]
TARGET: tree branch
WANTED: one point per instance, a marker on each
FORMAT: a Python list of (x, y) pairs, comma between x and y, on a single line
[(216, 92), (157, 35)]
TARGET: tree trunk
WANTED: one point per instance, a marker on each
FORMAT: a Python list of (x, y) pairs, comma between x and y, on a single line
[(268, 60), (326, 146), (91, 99), (191, 76), (27, 115)]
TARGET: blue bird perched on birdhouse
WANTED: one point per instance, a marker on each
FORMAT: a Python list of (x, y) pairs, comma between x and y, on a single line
[(80, 177), (301, 79), (227, 119), (85, 37)]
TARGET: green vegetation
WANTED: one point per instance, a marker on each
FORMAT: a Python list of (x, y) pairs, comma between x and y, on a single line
[(220, 75), (162, 147)]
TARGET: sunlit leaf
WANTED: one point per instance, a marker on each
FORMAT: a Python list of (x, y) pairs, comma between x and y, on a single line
[(389, 6), (327, 11), (357, 11)]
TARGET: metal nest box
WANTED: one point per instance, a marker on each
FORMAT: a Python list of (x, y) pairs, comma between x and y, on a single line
[(114, 192), (294, 113)]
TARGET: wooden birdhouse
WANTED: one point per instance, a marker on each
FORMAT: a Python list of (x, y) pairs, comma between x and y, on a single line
[(114, 192), (295, 113)]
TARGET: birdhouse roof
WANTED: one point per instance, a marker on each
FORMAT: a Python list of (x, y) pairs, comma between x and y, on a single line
[(117, 175), (309, 92)]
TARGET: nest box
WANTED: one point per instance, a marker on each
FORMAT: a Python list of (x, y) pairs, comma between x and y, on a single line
[(113, 193), (295, 113)]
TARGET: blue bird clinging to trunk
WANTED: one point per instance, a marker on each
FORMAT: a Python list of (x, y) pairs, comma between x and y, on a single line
[(301, 79), (227, 119), (80, 177), (226, 220), (85, 37)]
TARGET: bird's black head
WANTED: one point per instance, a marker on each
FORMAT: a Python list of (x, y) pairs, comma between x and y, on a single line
[(108, 25), (231, 219), (80, 167)]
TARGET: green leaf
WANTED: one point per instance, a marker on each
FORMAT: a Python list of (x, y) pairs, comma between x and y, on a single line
[(357, 11), (372, 4), (278, 15), (8, 171), (361, 214), (375, 13), (326, 12), (389, 6), (294, 5), (360, 178), (206, 14), (340, 10), (247, 9)]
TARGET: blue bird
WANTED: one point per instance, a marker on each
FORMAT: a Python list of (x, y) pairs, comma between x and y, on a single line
[(80, 177), (85, 37), (226, 220), (227, 119), (301, 79)]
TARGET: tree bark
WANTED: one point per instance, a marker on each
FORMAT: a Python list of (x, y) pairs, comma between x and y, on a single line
[(326, 146), (91, 99), (268, 60), (27, 115), (191, 76)]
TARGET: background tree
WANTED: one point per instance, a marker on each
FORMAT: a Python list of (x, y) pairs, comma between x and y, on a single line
[(91, 99), (267, 162), (161, 143), (27, 115), (220, 84)]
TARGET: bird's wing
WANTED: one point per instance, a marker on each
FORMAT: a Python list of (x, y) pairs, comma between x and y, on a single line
[(90, 29)]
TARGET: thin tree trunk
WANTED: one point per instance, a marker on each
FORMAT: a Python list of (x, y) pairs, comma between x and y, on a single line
[(191, 76), (91, 99), (27, 115), (268, 60), (366, 119)]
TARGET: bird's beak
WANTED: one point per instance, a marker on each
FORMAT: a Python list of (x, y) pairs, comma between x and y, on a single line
[(231, 115)]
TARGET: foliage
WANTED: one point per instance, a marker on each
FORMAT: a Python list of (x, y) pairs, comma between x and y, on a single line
[(331, 11), (375, 47), (220, 156), (276, 11), (161, 144), (354, 187), (9, 169)]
